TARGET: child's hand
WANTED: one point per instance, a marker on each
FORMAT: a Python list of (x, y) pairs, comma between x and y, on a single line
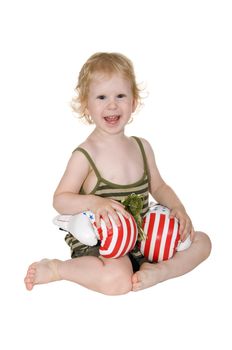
[(186, 227), (103, 207)]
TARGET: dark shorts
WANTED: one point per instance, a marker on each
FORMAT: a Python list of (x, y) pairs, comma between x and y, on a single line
[(79, 249)]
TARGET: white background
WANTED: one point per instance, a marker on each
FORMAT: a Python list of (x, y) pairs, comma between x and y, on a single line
[(182, 55)]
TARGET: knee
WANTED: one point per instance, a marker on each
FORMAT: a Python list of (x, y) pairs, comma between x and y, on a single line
[(205, 242), (116, 283)]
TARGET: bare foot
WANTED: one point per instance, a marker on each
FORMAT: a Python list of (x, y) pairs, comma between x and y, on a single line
[(148, 275), (44, 271)]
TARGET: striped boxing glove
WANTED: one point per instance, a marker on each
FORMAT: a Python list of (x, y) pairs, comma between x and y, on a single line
[(114, 242), (162, 237)]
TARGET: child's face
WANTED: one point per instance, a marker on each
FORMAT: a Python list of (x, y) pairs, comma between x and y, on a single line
[(110, 102)]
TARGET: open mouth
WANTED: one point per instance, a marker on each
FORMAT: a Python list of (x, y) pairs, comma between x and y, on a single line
[(112, 119)]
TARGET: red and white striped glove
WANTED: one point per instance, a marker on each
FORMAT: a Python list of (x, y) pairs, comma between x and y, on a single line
[(162, 238), (114, 242)]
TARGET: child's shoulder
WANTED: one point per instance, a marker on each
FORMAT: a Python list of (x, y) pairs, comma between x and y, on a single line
[(146, 144), (87, 146)]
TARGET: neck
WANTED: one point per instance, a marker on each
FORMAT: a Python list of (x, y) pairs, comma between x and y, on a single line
[(100, 135)]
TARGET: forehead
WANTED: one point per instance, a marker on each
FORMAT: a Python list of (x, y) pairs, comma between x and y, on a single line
[(109, 81)]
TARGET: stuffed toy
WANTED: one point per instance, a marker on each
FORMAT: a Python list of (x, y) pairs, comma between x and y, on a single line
[(114, 242), (157, 233), (162, 237)]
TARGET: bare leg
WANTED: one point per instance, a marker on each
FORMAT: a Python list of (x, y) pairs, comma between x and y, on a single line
[(107, 276), (182, 262)]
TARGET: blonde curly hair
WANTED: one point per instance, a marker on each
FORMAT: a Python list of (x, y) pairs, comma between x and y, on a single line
[(102, 62)]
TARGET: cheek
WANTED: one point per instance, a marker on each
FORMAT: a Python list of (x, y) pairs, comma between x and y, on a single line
[(130, 107), (90, 106), (94, 109)]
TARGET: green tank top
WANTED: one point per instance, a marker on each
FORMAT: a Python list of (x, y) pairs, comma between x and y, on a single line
[(118, 192)]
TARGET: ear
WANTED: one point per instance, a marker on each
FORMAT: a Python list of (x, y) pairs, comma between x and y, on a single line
[(134, 105), (86, 111)]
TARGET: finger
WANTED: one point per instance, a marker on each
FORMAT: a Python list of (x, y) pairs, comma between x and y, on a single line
[(115, 218), (172, 214), (116, 204), (184, 236), (188, 231), (192, 234), (182, 227), (120, 208), (98, 220), (185, 231), (106, 219), (125, 213)]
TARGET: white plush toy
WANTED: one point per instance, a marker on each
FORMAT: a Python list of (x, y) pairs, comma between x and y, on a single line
[(162, 237), (114, 242)]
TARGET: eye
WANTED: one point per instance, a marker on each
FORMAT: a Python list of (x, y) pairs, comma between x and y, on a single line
[(121, 95), (101, 97)]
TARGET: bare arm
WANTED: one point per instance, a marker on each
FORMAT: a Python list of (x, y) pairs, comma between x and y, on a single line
[(67, 199), (165, 195)]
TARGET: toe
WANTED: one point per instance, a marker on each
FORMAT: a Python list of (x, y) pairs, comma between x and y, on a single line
[(29, 286), (28, 283), (30, 277), (135, 277), (136, 286), (136, 281)]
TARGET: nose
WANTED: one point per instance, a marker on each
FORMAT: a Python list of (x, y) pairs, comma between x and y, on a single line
[(112, 104)]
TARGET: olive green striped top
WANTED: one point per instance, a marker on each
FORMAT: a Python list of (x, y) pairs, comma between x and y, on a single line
[(118, 192)]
